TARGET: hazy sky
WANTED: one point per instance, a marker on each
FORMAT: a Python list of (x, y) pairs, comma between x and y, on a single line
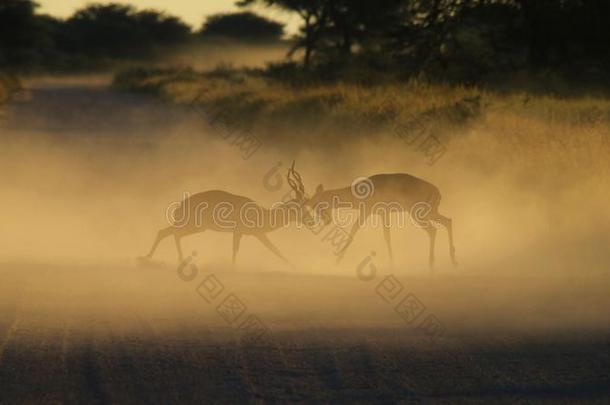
[(191, 11)]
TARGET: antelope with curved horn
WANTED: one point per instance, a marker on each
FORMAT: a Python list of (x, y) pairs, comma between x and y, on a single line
[(226, 212), (381, 194)]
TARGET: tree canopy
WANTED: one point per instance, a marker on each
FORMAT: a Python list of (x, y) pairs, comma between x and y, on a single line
[(478, 35), (459, 39), (28, 40), (22, 33), (242, 26), (116, 30)]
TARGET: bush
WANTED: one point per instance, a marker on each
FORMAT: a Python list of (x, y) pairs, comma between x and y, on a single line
[(151, 80), (119, 31), (9, 85), (243, 26)]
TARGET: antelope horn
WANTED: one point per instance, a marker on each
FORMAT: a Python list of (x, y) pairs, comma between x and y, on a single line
[(295, 181)]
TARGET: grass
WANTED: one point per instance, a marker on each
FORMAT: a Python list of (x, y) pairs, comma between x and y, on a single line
[(566, 132), (251, 96), (9, 84)]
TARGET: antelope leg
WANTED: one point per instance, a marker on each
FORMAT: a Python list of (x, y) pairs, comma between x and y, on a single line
[(236, 239), (162, 234), (265, 241)]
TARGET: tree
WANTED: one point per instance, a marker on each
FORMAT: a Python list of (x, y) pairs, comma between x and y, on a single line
[(243, 26), (336, 27), (22, 33), (115, 31), (560, 31), (161, 28), (314, 14)]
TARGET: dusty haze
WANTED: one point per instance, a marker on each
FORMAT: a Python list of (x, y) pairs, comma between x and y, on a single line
[(88, 172)]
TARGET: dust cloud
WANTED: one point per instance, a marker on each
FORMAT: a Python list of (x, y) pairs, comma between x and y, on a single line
[(211, 54), (87, 174)]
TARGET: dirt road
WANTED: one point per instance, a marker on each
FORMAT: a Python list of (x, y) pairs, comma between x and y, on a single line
[(124, 335), (81, 323)]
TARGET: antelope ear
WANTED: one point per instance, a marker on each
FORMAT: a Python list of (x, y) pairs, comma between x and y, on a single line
[(320, 188)]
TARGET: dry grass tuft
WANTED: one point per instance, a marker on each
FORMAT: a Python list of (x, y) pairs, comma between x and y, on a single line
[(565, 134)]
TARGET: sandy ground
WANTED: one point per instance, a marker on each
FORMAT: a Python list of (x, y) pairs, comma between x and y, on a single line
[(87, 173), (123, 334)]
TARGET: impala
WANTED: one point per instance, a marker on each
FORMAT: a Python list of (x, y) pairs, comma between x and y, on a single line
[(221, 211), (380, 195)]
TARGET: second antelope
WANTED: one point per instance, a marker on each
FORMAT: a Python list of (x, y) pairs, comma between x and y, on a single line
[(380, 195)]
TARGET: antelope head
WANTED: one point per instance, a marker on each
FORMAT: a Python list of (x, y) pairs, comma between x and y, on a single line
[(320, 204), (308, 204), (296, 184)]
